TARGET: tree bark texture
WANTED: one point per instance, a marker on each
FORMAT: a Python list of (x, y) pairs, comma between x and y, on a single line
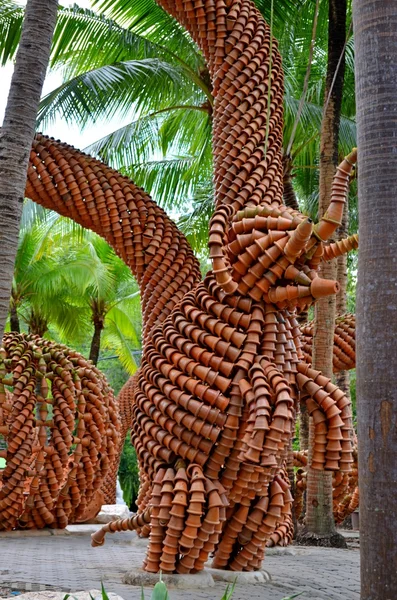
[(342, 379), (319, 517), (38, 325), (289, 195), (319, 513), (96, 341), (14, 318), (17, 133), (303, 428), (375, 27)]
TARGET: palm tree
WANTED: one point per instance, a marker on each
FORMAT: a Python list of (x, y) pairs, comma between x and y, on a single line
[(33, 261), (100, 290), (376, 65), (68, 282), (41, 235), (319, 514), (18, 129), (150, 70)]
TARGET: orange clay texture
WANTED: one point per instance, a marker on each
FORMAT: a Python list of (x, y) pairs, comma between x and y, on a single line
[(212, 408), (60, 423), (345, 489)]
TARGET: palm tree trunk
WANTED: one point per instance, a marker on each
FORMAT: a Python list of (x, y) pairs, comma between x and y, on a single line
[(289, 196), (303, 427), (14, 318), (96, 341), (319, 516), (376, 92), (17, 132), (342, 379)]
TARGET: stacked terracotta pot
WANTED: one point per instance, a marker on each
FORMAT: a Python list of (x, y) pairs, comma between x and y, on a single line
[(345, 488), (344, 343), (215, 400), (61, 429)]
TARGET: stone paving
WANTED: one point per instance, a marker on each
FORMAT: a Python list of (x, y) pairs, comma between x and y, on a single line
[(66, 561)]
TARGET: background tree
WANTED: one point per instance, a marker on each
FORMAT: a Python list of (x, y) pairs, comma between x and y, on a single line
[(320, 524), (17, 132), (150, 71), (375, 25), (98, 292), (68, 284)]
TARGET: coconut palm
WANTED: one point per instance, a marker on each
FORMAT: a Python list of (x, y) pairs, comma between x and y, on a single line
[(376, 62), (148, 69), (17, 131), (40, 235), (104, 297), (70, 285)]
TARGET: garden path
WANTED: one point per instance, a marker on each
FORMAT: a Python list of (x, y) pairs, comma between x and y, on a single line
[(64, 560)]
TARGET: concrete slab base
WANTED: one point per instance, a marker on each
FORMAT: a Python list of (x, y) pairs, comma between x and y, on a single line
[(23, 533), (111, 512), (281, 551), (83, 529), (240, 577), (194, 581)]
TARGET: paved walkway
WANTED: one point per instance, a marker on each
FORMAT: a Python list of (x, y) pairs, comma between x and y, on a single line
[(65, 560)]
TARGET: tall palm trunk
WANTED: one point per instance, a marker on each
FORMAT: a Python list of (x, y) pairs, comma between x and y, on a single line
[(375, 27), (342, 379), (289, 196), (14, 318), (17, 132), (320, 524), (99, 323)]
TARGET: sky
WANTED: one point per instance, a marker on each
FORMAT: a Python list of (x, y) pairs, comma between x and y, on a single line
[(59, 129)]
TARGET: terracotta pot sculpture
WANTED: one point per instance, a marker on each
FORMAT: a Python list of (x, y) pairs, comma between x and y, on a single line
[(345, 490), (344, 343), (213, 405), (60, 423)]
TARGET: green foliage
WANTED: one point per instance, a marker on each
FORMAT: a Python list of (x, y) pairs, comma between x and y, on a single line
[(65, 278), (160, 591), (134, 60), (110, 365), (104, 594), (229, 592), (295, 441), (129, 474)]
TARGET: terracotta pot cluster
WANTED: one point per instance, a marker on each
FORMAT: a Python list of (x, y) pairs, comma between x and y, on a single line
[(345, 492), (214, 403), (101, 199), (331, 413), (344, 343), (250, 527), (187, 514), (138, 523), (61, 429), (340, 247), (345, 488)]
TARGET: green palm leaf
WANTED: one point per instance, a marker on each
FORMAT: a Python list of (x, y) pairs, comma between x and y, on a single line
[(120, 88), (11, 17)]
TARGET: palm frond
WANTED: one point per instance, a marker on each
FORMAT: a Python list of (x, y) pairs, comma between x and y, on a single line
[(194, 223), (146, 17), (117, 89), (11, 18)]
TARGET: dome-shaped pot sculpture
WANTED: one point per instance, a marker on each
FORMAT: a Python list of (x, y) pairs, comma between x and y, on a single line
[(60, 423)]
